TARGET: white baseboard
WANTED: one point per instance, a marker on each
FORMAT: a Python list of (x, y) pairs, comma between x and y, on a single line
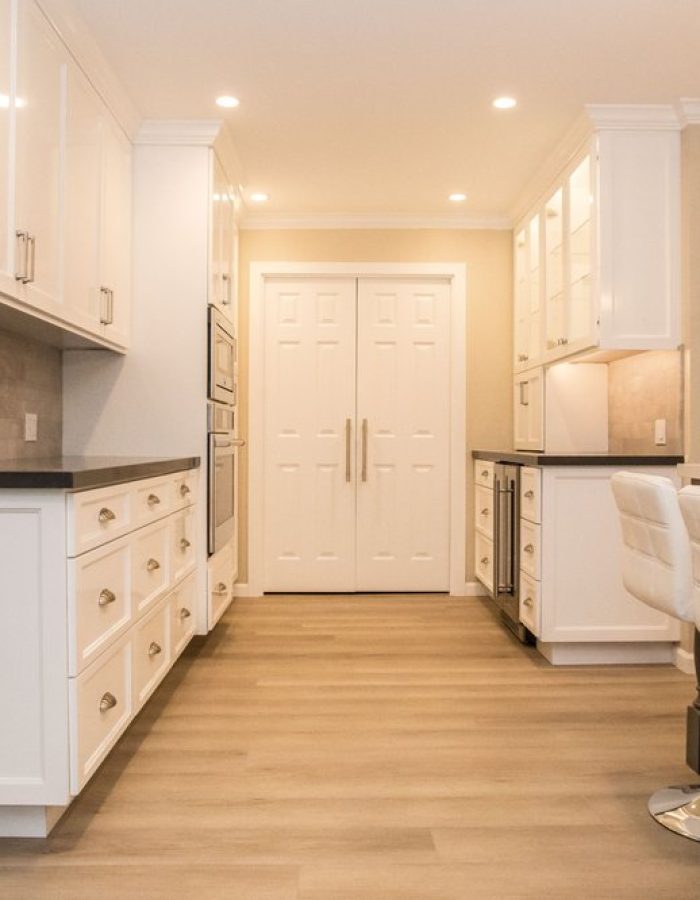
[(243, 589), (474, 589), (684, 660)]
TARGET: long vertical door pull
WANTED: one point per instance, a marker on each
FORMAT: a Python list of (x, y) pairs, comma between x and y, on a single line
[(348, 457), (364, 449)]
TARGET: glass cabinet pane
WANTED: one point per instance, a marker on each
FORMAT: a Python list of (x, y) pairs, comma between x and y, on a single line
[(522, 297), (580, 251), (554, 269)]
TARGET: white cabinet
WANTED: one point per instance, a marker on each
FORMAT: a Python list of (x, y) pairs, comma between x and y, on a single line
[(528, 410), (6, 273), (528, 295), (221, 578), (223, 243), (115, 233)]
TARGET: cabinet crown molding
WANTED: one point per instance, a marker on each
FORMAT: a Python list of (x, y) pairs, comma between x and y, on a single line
[(179, 132), (689, 110), (632, 117)]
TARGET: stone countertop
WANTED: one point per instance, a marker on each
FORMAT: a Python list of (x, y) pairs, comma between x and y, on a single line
[(79, 473), (530, 458)]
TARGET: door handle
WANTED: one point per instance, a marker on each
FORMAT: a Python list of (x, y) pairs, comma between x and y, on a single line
[(31, 259), (523, 385), (348, 438), (22, 247), (364, 449)]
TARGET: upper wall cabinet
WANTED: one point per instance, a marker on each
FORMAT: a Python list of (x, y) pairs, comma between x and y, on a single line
[(223, 242), (608, 267), (65, 225)]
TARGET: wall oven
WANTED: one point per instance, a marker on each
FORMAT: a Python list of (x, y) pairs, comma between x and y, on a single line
[(222, 359), (223, 473)]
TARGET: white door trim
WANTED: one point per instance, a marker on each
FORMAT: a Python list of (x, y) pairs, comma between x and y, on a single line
[(457, 274)]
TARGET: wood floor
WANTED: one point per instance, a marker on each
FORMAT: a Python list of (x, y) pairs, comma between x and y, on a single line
[(365, 748)]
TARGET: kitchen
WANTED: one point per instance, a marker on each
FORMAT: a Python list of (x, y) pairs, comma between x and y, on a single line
[(340, 740)]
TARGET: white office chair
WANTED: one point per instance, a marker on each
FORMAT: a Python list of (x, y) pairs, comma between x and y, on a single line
[(656, 569)]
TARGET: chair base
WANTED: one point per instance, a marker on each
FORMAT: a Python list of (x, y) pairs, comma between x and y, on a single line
[(678, 809)]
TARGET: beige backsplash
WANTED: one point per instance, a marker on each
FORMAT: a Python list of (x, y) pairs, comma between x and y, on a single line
[(30, 382), (641, 389)]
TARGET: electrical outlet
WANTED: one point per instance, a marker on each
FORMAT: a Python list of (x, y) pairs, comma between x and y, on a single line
[(660, 432), (31, 425)]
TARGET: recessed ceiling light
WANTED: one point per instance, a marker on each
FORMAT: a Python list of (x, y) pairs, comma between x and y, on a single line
[(259, 197), (457, 198), (227, 102), (505, 102)]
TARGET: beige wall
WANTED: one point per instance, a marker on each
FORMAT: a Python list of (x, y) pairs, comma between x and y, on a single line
[(488, 259)]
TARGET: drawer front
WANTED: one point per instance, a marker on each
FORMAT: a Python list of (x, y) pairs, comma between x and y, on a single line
[(151, 643), (530, 603), (182, 615), (96, 517), (153, 499), (100, 710), (100, 601), (184, 488), (531, 494), (483, 473), (220, 576), (530, 548), (484, 560), (483, 510), (184, 543), (151, 573)]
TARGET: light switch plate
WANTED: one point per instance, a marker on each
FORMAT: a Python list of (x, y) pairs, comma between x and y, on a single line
[(660, 432), (31, 426)]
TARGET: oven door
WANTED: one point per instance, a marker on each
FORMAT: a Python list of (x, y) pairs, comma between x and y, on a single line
[(222, 361), (223, 466)]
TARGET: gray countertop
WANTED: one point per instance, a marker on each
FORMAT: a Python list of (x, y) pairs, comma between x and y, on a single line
[(82, 472), (526, 458)]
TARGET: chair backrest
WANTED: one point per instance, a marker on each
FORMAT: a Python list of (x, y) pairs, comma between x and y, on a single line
[(656, 567), (689, 499)]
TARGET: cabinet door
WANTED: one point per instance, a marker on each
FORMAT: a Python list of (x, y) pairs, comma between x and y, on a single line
[(40, 106), (554, 273), (81, 286), (219, 200), (580, 325), (6, 273), (228, 241), (528, 411), (521, 294), (115, 231)]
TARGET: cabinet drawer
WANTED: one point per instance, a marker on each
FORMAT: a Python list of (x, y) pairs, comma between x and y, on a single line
[(184, 489), (220, 589), (182, 615), (100, 709), (483, 473), (530, 603), (99, 601), (153, 499), (184, 543), (531, 494), (95, 517), (484, 560), (151, 572), (151, 649), (483, 510), (530, 548)]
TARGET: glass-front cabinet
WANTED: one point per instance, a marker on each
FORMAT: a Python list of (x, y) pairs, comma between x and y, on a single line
[(554, 270), (528, 296)]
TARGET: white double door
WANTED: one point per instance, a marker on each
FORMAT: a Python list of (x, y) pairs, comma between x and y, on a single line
[(357, 400)]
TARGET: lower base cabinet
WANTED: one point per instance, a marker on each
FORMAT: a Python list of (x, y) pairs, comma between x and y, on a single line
[(221, 577)]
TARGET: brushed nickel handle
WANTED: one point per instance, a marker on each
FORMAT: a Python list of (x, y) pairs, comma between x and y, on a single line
[(226, 278), (184, 544), (522, 357), (522, 385), (185, 613), (21, 246), (31, 259), (238, 442), (364, 449), (348, 438), (107, 304), (528, 548), (107, 701), (529, 495), (106, 597), (152, 565), (528, 601), (484, 560), (220, 589), (153, 500), (154, 648), (106, 515), (485, 511), (484, 473), (184, 490)]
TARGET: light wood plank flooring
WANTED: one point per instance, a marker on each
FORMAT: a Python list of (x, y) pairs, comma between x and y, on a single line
[(377, 748)]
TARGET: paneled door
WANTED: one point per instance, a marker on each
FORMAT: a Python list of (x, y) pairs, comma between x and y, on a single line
[(309, 421), (403, 403), (357, 421)]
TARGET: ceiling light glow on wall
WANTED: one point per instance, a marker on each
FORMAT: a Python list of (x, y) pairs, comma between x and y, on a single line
[(457, 198), (259, 197), (227, 101), (505, 102)]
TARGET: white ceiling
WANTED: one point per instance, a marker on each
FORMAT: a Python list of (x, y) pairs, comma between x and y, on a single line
[(383, 107)]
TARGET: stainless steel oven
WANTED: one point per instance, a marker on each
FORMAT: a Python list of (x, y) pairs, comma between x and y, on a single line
[(224, 447), (222, 359)]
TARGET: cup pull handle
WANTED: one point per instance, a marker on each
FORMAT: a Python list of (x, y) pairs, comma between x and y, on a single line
[(107, 701)]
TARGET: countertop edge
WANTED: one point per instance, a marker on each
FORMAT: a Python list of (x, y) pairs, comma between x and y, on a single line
[(93, 476), (553, 459)]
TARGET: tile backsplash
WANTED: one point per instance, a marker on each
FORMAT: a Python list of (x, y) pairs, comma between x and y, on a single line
[(30, 382), (641, 389)]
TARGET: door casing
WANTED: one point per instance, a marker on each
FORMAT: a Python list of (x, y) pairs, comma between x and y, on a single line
[(457, 275)]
